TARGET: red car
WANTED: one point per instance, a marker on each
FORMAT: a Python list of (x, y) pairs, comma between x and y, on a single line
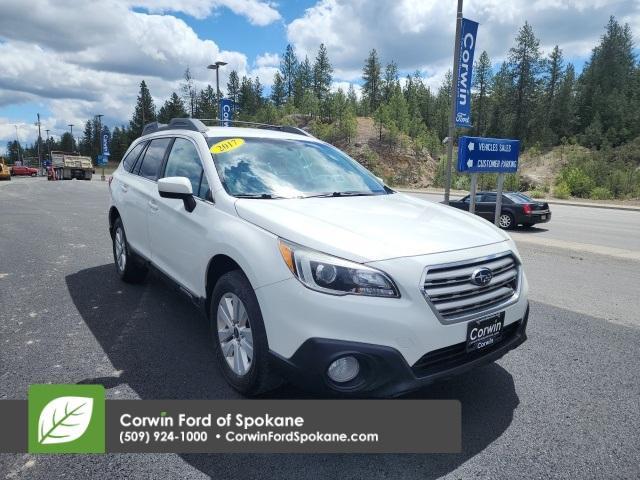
[(20, 170)]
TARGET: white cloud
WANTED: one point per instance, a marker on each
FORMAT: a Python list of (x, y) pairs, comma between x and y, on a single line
[(257, 12), (84, 58), (418, 34)]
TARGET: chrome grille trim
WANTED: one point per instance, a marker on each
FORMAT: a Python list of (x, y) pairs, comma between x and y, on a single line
[(448, 290)]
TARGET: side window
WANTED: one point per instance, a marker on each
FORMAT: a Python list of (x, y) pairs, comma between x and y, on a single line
[(130, 159), (153, 158), (184, 161), (489, 197)]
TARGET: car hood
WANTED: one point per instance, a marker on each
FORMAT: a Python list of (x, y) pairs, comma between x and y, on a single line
[(370, 228)]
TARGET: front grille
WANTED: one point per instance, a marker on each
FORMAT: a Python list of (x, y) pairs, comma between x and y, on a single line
[(450, 290), (456, 355)]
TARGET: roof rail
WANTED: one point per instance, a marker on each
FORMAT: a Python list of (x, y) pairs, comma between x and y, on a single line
[(175, 124), (266, 126)]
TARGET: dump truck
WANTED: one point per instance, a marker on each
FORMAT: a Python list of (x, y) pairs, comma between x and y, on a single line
[(66, 166), (5, 173)]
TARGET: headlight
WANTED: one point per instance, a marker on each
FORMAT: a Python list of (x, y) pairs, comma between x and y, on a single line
[(334, 275)]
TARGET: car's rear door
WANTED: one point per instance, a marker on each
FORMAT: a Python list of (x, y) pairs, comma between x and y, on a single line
[(141, 193), (487, 206), (179, 238)]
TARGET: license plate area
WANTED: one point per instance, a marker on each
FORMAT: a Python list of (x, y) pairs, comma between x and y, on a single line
[(485, 332)]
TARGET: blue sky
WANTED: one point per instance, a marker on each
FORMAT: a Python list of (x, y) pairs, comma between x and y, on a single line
[(69, 74)]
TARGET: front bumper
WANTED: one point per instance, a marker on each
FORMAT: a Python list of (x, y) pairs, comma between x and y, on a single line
[(383, 370)]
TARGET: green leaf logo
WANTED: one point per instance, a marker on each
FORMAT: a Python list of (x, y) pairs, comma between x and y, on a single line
[(64, 419)]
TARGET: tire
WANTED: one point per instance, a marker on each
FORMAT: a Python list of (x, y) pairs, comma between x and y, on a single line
[(240, 341), (506, 221), (130, 267)]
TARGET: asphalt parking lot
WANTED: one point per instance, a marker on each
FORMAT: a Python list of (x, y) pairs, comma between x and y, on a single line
[(564, 405)]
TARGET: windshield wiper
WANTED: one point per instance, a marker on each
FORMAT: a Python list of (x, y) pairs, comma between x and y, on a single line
[(259, 196), (349, 193)]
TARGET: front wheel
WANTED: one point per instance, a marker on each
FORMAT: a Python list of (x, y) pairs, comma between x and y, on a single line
[(239, 336), (505, 221), (129, 267)]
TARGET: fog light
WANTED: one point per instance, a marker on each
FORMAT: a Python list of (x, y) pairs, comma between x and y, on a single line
[(344, 369)]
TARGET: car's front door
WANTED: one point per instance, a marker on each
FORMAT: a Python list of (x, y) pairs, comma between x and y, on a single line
[(179, 238)]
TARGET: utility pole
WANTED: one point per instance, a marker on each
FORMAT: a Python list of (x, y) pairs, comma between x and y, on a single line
[(452, 118), (39, 142), (99, 117), (73, 143), (216, 66)]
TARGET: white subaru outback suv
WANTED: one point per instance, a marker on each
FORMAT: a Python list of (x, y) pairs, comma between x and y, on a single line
[(308, 267)]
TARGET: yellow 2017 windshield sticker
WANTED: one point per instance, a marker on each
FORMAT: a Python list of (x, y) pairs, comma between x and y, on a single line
[(227, 145)]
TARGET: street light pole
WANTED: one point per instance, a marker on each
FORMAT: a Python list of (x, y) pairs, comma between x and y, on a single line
[(216, 66), (48, 145), (73, 146), (99, 117), (20, 157), (39, 142)]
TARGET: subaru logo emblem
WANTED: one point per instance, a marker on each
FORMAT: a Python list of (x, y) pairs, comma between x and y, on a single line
[(481, 276)]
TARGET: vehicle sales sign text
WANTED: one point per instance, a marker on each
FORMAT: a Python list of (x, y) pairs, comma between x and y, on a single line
[(488, 155)]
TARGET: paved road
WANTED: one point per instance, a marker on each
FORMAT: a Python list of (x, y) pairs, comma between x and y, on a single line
[(615, 229), (564, 405)]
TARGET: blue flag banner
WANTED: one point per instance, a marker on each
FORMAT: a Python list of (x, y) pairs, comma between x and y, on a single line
[(226, 111), (105, 142), (488, 155), (468, 32)]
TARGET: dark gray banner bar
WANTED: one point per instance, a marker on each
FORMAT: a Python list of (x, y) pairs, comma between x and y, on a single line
[(13, 426), (265, 426), (284, 426)]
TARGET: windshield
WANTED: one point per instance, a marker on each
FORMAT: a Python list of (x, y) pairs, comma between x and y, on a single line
[(288, 168)]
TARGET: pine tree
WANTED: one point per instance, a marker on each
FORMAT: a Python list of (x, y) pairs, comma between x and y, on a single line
[(390, 81), (607, 85), (233, 88), (289, 69), (145, 111), (207, 106), (501, 117), (352, 98), (565, 104), (322, 72), (189, 93), (67, 143), (524, 66), (483, 76), (278, 93), (87, 139), (172, 108), (304, 81), (371, 88)]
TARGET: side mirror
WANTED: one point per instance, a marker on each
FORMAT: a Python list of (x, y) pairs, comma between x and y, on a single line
[(177, 187)]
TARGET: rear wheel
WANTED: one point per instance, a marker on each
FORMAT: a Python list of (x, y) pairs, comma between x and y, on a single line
[(239, 336), (130, 268), (505, 221)]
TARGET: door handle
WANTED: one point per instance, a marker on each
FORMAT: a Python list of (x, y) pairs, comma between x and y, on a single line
[(153, 205), (124, 188)]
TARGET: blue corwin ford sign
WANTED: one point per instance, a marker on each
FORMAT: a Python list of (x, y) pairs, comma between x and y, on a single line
[(105, 142), (488, 155), (468, 32), (226, 111)]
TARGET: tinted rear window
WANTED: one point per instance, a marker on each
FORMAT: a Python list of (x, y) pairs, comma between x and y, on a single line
[(518, 197), (153, 158), (130, 159)]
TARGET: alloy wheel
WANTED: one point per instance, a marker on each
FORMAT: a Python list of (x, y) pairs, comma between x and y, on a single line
[(504, 221), (121, 250), (234, 333)]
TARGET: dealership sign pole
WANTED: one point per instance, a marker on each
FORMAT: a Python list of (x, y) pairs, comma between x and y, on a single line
[(487, 155), (465, 44)]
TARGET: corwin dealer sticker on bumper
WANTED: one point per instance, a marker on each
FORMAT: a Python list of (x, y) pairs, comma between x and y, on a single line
[(484, 333)]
